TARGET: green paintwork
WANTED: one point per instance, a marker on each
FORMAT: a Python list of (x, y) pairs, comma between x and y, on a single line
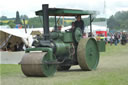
[(92, 54), (101, 46), (64, 36), (47, 69), (56, 35), (66, 12), (67, 38), (62, 48), (77, 34), (45, 49), (88, 54)]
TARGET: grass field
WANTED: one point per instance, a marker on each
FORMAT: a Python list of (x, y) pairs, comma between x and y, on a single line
[(6, 21), (112, 70)]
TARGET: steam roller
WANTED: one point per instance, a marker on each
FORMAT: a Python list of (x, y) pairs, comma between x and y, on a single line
[(58, 50)]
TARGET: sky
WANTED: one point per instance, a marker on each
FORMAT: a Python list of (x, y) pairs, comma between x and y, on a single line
[(28, 7)]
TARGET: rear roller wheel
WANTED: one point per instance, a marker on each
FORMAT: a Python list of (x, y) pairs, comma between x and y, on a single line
[(88, 54), (33, 64)]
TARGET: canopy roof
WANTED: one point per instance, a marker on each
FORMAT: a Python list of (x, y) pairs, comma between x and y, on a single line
[(66, 12)]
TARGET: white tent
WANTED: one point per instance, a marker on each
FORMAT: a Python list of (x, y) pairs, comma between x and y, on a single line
[(96, 28), (17, 35)]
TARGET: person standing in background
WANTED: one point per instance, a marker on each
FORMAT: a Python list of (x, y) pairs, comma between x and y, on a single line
[(115, 39)]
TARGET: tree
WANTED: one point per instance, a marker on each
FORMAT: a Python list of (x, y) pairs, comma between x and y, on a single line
[(52, 22), (3, 18), (35, 22), (1, 23), (119, 21), (24, 17), (11, 24), (18, 20), (112, 23)]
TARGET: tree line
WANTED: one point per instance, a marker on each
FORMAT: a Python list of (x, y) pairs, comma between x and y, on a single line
[(118, 21), (37, 22)]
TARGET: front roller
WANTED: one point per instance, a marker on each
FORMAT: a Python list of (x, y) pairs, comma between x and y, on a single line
[(33, 64), (88, 54)]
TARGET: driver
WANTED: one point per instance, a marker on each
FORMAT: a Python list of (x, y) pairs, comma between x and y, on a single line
[(79, 23)]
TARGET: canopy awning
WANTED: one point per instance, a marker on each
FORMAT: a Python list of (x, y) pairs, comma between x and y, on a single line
[(66, 12)]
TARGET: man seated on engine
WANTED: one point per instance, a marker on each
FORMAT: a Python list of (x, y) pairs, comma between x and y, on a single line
[(79, 23)]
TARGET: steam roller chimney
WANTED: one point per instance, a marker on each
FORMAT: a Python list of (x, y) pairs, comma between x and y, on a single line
[(45, 21)]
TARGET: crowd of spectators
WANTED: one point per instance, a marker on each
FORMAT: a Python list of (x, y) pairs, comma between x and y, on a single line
[(118, 37)]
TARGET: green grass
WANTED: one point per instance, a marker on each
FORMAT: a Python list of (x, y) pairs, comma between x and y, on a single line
[(6, 69), (112, 70), (111, 50), (102, 78)]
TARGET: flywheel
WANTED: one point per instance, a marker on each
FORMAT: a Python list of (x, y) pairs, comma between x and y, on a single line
[(77, 34)]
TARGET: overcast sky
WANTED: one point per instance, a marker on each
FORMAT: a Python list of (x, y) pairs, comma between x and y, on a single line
[(28, 7)]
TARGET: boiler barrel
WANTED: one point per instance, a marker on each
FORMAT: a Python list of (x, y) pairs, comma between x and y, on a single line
[(62, 48)]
